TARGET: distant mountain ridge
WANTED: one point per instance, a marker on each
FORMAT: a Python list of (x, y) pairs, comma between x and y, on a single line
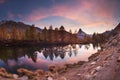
[(20, 25), (112, 32)]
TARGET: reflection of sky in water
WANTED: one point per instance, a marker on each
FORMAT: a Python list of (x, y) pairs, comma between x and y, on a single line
[(72, 54)]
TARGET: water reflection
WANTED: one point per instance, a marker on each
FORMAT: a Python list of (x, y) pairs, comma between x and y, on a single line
[(59, 51), (40, 57)]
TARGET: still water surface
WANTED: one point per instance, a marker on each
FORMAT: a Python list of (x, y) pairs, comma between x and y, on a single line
[(33, 58)]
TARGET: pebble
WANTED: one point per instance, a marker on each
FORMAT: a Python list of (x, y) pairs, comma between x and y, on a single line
[(78, 74), (98, 68), (15, 76), (93, 72), (49, 78), (93, 63)]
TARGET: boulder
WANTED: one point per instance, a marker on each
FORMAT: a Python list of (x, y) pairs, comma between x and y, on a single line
[(48, 74), (4, 73), (26, 72), (39, 72)]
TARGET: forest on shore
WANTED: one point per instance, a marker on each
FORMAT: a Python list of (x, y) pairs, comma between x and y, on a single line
[(17, 33)]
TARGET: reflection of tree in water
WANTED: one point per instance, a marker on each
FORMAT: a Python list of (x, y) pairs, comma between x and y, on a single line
[(75, 52), (62, 53), (70, 51), (59, 51), (75, 49), (52, 52), (45, 52), (87, 46), (96, 45), (34, 57), (14, 53)]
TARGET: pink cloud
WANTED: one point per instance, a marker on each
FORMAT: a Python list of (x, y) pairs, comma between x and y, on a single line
[(89, 13), (2, 1), (82, 12), (37, 15), (10, 15)]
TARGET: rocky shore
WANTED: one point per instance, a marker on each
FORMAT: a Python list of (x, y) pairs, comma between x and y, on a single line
[(52, 74), (104, 65)]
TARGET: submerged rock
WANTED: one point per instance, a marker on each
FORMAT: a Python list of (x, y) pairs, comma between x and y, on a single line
[(5, 74), (53, 68), (39, 72), (26, 72)]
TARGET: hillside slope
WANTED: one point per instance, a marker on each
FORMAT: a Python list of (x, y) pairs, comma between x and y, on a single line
[(104, 65)]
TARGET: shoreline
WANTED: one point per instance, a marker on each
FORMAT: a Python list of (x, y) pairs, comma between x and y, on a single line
[(25, 74), (35, 43)]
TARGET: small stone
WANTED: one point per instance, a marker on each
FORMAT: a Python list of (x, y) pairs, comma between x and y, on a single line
[(78, 74), (87, 77), (63, 78), (49, 78), (15, 76), (106, 63), (98, 68), (93, 63), (93, 72)]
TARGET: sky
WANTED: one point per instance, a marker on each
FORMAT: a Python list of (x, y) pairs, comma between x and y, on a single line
[(89, 15)]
